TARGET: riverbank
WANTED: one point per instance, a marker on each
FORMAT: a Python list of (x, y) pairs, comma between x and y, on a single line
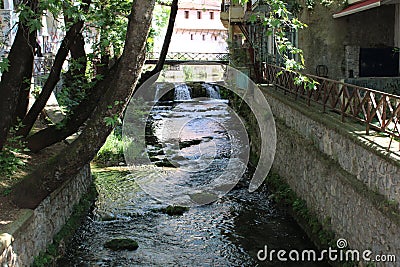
[(33, 230)]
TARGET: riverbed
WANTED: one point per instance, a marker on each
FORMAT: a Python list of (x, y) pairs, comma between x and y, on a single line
[(227, 232)]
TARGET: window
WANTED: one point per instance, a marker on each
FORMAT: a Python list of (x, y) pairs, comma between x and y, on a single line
[(211, 15), (199, 14), (186, 14), (204, 37), (191, 37)]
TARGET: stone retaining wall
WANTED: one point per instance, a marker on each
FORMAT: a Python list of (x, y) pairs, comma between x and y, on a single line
[(341, 178), (33, 231)]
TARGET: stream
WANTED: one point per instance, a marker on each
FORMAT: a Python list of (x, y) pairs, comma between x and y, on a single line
[(227, 232)]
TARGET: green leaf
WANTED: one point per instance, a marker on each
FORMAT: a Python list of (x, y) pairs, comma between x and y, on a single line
[(4, 65)]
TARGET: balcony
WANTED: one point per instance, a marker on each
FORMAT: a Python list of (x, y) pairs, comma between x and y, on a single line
[(224, 16), (231, 14), (236, 13)]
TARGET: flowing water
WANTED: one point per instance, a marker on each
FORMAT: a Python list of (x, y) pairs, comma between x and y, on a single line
[(182, 92), (227, 232), (212, 91)]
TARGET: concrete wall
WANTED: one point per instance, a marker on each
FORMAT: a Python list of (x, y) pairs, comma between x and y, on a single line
[(325, 39), (339, 177), (33, 231)]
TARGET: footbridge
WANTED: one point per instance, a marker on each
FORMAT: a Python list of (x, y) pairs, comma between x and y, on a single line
[(175, 58)]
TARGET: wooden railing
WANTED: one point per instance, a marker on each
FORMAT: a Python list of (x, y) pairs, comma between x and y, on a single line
[(189, 56), (375, 109)]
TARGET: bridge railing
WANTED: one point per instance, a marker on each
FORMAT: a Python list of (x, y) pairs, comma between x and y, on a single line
[(189, 56), (377, 110), (41, 67)]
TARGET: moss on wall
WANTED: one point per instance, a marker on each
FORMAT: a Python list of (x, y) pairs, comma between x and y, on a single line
[(56, 249)]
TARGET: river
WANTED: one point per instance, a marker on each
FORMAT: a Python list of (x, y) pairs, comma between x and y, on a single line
[(227, 232)]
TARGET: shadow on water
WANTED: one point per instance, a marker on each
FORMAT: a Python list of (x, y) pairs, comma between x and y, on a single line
[(228, 232)]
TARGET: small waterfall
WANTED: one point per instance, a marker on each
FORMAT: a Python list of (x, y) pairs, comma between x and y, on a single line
[(182, 92), (211, 91), (159, 93)]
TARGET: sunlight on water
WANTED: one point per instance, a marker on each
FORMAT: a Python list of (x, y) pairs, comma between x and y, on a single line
[(228, 232)]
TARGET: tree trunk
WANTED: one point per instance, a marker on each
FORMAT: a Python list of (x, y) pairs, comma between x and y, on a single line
[(75, 76), (54, 75), (71, 124), (167, 39), (105, 51), (36, 186), (13, 81), (23, 99), (165, 47), (51, 81)]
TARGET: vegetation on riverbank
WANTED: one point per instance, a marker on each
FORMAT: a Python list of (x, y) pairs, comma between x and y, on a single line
[(57, 248), (321, 233), (112, 152), (284, 195)]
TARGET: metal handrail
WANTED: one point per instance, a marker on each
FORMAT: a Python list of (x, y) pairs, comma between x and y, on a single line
[(377, 110), (41, 67), (191, 56)]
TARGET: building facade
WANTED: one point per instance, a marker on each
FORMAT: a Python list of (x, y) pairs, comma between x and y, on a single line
[(354, 42), (49, 36), (198, 28)]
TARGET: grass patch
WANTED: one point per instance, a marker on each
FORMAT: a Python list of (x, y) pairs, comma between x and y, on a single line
[(112, 152)]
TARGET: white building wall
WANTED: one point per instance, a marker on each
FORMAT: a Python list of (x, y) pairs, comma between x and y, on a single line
[(198, 41), (199, 35), (7, 20)]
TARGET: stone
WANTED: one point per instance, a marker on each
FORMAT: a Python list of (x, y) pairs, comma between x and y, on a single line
[(121, 244), (175, 210)]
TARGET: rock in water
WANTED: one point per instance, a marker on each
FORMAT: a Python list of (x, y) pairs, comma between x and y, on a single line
[(175, 210), (121, 244)]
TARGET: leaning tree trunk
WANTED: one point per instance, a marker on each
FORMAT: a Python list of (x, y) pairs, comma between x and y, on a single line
[(23, 99), (54, 134), (105, 51), (51, 82), (54, 75), (75, 76), (36, 186), (14, 80), (71, 124), (165, 47)]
